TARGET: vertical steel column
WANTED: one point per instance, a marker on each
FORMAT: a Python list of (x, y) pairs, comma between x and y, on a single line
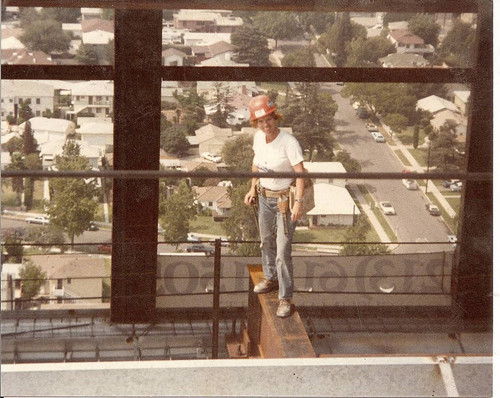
[(137, 109), (473, 275), (216, 300)]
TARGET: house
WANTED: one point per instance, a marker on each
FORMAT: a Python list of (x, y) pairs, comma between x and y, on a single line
[(96, 134), (90, 13), (208, 21), (24, 56), (214, 198), (407, 42), (220, 49), (98, 33), (205, 39), (171, 36), (72, 278), (461, 100), (14, 92), (45, 129), (210, 138), (49, 151), (92, 97), (403, 60), (209, 89), (443, 110), (173, 57), (333, 204), (74, 29)]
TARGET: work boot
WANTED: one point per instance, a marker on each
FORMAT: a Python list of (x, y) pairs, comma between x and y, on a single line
[(284, 308), (265, 286)]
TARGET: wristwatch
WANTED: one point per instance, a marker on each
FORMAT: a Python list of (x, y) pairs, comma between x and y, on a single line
[(300, 200)]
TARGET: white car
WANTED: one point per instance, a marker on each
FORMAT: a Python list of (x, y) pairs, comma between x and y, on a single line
[(456, 187), (211, 157), (452, 238), (192, 238), (410, 184), (387, 208), (371, 127), (42, 220), (378, 136)]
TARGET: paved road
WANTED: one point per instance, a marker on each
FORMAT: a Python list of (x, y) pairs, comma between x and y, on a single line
[(412, 223)]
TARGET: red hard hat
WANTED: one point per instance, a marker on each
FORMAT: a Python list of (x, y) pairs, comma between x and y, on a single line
[(260, 106)]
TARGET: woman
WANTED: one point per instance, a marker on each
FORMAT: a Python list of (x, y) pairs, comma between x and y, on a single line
[(276, 151)]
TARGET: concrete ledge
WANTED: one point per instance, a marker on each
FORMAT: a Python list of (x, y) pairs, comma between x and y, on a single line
[(312, 377)]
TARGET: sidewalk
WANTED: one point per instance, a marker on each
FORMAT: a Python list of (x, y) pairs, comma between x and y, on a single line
[(431, 187)]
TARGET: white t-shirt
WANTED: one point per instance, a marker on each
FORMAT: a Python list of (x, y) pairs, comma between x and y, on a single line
[(281, 154)]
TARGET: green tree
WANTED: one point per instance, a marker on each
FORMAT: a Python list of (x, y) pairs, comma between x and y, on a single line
[(312, 118), (241, 224), (46, 235), (12, 240), (277, 25), (62, 15), (396, 122), (457, 48), (72, 206), (350, 164), (46, 36), (86, 55), (109, 52), (355, 238), (424, 26), (17, 183), (416, 133), (252, 46), (443, 154), (27, 16), (238, 155), (366, 52), (222, 104), (175, 212), (396, 17), (304, 57), (25, 112), (192, 109), (32, 279), (15, 144), (173, 140), (320, 21)]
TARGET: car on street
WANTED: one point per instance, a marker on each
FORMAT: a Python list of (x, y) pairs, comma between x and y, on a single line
[(105, 247), (362, 113), (41, 220), (200, 249), (193, 238), (378, 136), (92, 226), (410, 184), (452, 238), (371, 127), (387, 208), (433, 210), (448, 183), (456, 187), (223, 242), (211, 157)]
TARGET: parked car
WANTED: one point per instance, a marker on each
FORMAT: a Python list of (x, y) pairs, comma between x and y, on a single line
[(193, 238), (223, 242), (378, 136), (211, 157), (448, 183), (105, 247), (92, 226), (200, 249), (456, 187), (362, 113), (452, 238), (371, 127), (42, 220), (410, 184), (387, 208), (433, 210)]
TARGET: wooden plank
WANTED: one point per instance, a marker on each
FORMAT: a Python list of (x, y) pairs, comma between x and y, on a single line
[(271, 336)]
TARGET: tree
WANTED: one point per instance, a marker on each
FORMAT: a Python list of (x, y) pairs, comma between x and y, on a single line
[(24, 111), (221, 102), (319, 21), (238, 155), (350, 165), (192, 108), (13, 245), (396, 17), (15, 144), (396, 122), (424, 26), (17, 163), (354, 239), (252, 46), (443, 145), (86, 55), (45, 235), (27, 16), (241, 224), (72, 206), (366, 52), (416, 133), (62, 15), (277, 25), (175, 213), (304, 57), (31, 162), (46, 36), (457, 48), (173, 140), (32, 279), (312, 117)]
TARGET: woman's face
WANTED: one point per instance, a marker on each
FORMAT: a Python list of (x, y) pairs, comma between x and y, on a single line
[(268, 124)]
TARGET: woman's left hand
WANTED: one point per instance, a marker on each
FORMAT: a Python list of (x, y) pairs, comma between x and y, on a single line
[(296, 211)]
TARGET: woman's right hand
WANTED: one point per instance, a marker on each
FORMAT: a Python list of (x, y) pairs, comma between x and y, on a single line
[(250, 197)]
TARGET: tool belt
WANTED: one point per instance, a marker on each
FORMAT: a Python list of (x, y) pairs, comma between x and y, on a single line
[(268, 193)]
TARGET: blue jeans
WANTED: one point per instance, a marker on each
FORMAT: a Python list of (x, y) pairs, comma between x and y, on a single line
[(276, 247)]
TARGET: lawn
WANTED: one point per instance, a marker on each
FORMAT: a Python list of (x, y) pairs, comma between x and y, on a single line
[(402, 157), (206, 225), (420, 156)]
